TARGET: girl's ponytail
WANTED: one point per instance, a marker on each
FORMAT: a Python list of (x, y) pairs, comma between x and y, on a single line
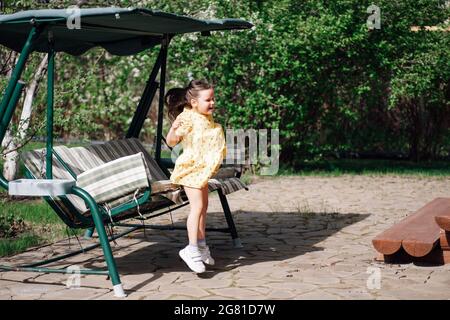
[(178, 98), (175, 100)]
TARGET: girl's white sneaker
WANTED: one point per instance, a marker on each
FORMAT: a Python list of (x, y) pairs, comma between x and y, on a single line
[(206, 255), (193, 259)]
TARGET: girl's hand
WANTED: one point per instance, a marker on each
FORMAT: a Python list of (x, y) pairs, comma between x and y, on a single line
[(176, 124)]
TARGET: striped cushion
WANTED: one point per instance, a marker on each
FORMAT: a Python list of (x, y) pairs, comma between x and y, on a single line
[(79, 159), (34, 161), (115, 149), (115, 179), (226, 172), (82, 159), (227, 186)]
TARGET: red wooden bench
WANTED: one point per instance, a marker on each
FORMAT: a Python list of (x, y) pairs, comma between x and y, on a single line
[(445, 240), (443, 222), (422, 236)]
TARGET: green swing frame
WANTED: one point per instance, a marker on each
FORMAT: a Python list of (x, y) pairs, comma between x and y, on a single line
[(42, 22)]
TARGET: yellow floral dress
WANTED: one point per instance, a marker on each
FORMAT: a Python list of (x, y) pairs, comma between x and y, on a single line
[(204, 149)]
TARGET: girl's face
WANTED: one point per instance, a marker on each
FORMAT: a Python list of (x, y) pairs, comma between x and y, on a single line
[(204, 103)]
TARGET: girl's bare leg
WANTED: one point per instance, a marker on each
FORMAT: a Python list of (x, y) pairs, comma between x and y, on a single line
[(197, 202), (202, 222)]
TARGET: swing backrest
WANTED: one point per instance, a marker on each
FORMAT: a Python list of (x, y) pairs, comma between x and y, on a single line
[(68, 163)]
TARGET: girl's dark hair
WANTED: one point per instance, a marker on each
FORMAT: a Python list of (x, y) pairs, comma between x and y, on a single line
[(178, 98)]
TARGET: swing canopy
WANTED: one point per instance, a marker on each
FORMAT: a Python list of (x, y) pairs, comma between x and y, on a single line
[(121, 31)]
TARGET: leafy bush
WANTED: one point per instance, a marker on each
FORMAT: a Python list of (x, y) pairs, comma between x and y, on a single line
[(312, 69)]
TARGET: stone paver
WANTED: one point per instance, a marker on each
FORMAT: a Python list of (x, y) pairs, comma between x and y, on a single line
[(304, 238)]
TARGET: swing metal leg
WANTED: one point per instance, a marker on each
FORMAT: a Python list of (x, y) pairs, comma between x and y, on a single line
[(103, 238), (226, 210), (89, 232)]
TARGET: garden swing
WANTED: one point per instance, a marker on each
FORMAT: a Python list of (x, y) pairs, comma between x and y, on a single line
[(102, 184)]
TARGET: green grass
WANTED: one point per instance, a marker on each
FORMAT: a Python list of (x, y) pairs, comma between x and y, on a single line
[(368, 167), (12, 246), (32, 211), (42, 225)]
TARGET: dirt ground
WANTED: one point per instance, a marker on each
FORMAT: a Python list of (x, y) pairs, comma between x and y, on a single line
[(303, 237)]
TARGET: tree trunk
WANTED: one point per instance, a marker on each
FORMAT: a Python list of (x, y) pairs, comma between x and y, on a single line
[(13, 143), (9, 165), (10, 157)]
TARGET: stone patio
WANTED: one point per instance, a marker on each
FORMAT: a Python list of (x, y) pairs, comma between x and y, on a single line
[(303, 237)]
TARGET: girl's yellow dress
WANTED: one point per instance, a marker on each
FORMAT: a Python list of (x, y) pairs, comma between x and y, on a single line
[(204, 149)]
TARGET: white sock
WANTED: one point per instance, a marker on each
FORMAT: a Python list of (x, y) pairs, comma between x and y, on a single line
[(201, 243), (193, 248)]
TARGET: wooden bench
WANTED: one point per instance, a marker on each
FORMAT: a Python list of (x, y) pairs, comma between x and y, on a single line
[(443, 222), (445, 240), (421, 235)]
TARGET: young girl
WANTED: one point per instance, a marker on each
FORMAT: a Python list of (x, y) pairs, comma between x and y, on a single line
[(204, 149)]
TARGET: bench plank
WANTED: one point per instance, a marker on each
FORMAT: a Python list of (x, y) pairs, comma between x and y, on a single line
[(418, 233), (443, 221), (435, 257), (445, 240)]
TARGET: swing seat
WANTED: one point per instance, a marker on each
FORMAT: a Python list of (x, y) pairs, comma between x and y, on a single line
[(70, 163)]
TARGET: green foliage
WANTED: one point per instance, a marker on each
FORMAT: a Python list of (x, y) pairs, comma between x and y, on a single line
[(312, 69), (435, 169), (421, 94)]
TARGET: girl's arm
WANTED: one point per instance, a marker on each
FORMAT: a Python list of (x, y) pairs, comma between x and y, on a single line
[(172, 139)]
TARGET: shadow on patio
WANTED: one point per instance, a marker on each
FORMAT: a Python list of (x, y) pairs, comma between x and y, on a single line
[(266, 236)]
